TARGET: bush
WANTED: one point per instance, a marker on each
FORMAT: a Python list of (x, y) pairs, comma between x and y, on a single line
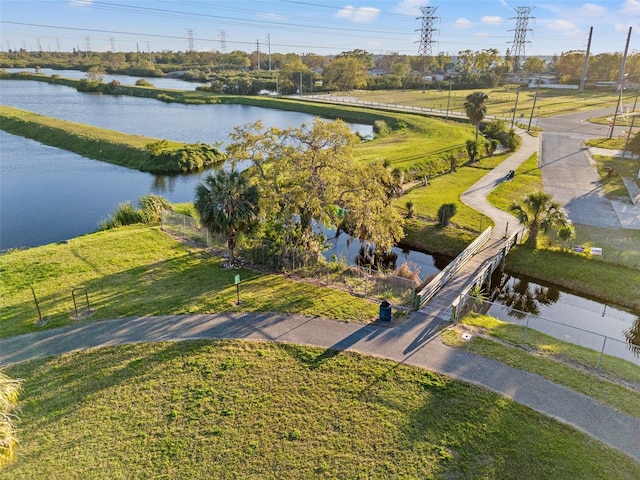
[(143, 83), (445, 213), (381, 128), (495, 128), (152, 206), (9, 389), (405, 271)]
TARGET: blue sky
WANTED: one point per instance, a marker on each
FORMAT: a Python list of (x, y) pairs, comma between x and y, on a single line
[(315, 26)]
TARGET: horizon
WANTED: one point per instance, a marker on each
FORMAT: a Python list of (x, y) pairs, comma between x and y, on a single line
[(325, 28)]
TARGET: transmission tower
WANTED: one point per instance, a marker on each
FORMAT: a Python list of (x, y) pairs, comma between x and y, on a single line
[(223, 41), (428, 19), (520, 35), (190, 40)]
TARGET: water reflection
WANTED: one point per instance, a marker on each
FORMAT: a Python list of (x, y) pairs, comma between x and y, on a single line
[(525, 297), (632, 335)]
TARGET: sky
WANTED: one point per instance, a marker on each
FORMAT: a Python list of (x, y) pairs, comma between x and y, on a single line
[(323, 27)]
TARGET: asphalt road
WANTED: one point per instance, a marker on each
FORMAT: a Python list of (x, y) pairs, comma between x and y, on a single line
[(568, 170)]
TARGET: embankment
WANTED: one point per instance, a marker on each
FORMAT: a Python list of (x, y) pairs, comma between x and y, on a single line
[(133, 151)]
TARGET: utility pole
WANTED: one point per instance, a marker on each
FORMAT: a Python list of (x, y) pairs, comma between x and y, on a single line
[(425, 49), (269, 47), (620, 83), (258, 50), (586, 62), (446, 118), (190, 40), (513, 119), (535, 99), (223, 41)]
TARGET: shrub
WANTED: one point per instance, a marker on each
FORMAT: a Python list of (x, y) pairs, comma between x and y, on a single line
[(405, 271), (495, 128), (152, 206), (445, 213), (381, 128), (143, 83), (9, 389)]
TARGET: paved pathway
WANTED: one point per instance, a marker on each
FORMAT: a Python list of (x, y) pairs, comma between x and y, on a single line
[(413, 343)]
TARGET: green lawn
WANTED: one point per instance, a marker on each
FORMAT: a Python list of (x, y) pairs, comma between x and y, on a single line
[(502, 100), (139, 270), (231, 409), (615, 383), (528, 179)]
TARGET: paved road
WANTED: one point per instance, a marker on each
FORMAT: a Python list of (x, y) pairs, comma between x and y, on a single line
[(569, 172)]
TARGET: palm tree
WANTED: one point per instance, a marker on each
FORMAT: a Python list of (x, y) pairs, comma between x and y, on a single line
[(475, 107), (538, 212), (227, 204)]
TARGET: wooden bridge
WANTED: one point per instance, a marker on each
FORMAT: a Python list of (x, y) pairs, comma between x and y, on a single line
[(443, 298)]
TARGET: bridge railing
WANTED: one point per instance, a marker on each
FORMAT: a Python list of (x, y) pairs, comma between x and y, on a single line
[(486, 270), (440, 280)]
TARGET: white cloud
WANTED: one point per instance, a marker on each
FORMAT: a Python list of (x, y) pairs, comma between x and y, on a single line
[(631, 7), (624, 27), (358, 15), (410, 7), (463, 23), (564, 27), (586, 10), (493, 20), (80, 3)]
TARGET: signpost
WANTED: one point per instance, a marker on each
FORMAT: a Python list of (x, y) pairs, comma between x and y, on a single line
[(237, 282)]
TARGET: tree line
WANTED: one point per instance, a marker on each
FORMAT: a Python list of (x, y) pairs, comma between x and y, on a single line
[(248, 73)]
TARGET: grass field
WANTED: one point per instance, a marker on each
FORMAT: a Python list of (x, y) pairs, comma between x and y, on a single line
[(139, 270), (235, 409), (502, 100)]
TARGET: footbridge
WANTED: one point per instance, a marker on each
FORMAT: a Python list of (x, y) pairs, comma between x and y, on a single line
[(443, 297)]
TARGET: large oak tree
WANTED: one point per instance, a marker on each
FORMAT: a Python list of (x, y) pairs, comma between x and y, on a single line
[(307, 178)]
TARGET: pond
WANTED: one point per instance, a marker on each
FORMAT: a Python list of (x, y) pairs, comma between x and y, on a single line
[(49, 195)]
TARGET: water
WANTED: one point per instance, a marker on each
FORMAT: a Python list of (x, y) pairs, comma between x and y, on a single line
[(564, 315), (345, 248), (48, 195), (158, 82)]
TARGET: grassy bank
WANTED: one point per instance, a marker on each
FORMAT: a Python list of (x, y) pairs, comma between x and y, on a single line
[(139, 270), (615, 383), (132, 151), (230, 409)]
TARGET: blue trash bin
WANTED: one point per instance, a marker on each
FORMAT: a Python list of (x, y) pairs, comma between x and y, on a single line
[(385, 311)]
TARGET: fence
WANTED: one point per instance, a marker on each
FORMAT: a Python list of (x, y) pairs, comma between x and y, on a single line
[(434, 286), (360, 281), (189, 228), (605, 346)]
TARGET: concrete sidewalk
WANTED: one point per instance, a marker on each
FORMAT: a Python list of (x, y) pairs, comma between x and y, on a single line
[(413, 343)]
